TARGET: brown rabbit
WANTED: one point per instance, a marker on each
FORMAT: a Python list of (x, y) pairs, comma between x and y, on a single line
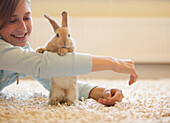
[(60, 43), (63, 89)]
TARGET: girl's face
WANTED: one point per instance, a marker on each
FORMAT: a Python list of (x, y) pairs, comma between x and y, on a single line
[(19, 27)]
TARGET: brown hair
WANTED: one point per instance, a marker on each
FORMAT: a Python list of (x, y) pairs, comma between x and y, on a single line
[(7, 8)]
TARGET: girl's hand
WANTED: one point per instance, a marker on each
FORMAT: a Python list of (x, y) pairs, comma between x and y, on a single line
[(106, 96), (111, 96), (126, 66)]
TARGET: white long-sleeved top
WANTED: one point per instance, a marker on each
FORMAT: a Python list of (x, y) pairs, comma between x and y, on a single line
[(42, 67)]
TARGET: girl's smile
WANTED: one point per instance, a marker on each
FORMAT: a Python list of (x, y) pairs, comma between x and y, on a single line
[(20, 37), (19, 27)]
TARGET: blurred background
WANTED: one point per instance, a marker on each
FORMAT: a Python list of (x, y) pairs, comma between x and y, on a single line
[(125, 29)]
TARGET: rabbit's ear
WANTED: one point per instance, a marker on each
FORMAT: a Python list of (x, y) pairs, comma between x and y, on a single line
[(53, 22), (64, 19)]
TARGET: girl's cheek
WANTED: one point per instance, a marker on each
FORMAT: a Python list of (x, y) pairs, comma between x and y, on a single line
[(30, 29), (29, 26)]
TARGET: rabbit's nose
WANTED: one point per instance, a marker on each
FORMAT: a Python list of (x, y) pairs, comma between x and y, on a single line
[(64, 43)]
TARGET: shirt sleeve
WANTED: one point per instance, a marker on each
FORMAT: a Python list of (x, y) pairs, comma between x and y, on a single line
[(84, 89), (46, 65)]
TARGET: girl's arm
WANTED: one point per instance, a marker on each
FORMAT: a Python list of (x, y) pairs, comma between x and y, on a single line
[(46, 65), (126, 66)]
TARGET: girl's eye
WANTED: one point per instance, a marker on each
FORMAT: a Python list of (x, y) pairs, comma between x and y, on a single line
[(13, 21), (57, 35), (68, 35), (26, 18)]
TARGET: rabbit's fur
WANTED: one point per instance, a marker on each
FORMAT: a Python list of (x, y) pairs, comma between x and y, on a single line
[(63, 89)]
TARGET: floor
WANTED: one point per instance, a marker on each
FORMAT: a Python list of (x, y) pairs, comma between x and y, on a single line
[(147, 101)]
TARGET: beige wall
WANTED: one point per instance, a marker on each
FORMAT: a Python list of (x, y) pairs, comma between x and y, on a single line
[(115, 8)]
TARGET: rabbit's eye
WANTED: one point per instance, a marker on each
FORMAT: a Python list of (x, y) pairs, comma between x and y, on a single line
[(68, 35), (57, 35)]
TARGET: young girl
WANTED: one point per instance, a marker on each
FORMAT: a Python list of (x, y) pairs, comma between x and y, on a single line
[(16, 56)]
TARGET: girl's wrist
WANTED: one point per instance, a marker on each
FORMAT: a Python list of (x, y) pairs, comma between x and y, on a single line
[(96, 93), (111, 63), (114, 63)]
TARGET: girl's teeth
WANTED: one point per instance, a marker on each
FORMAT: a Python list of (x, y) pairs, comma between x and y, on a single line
[(19, 36)]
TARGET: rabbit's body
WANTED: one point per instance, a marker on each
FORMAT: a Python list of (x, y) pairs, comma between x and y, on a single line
[(63, 89)]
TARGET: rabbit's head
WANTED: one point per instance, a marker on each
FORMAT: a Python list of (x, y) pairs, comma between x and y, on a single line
[(62, 37)]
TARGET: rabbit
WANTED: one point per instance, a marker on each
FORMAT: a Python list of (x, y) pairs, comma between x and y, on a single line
[(62, 89), (60, 43)]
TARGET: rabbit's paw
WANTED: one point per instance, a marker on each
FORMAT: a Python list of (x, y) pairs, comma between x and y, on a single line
[(54, 101), (62, 51), (40, 50), (68, 102)]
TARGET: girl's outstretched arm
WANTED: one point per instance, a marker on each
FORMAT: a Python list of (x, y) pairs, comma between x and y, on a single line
[(126, 66)]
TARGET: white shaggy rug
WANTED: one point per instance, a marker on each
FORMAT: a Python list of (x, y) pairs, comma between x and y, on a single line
[(145, 101)]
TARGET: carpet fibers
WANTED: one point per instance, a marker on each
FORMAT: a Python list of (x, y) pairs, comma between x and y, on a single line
[(147, 101)]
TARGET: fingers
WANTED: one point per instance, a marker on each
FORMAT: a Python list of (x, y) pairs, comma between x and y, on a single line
[(106, 102), (128, 60), (111, 101), (107, 94), (133, 76), (131, 81), (117, 97)]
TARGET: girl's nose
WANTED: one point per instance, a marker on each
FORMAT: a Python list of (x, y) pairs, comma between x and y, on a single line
[(22, 26)]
